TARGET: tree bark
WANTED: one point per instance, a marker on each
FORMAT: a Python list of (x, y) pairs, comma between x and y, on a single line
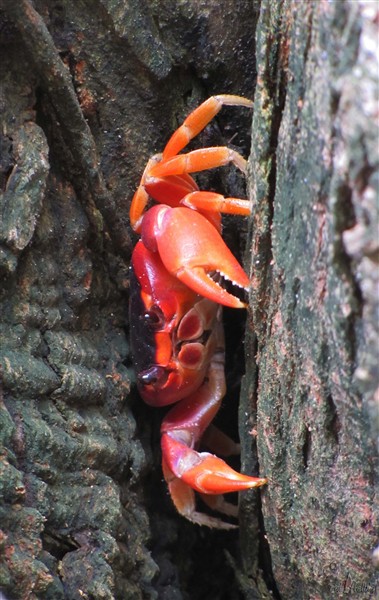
[(90, 90), (314, 251)]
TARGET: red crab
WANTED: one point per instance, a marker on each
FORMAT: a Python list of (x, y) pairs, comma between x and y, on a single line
[(176, 309)]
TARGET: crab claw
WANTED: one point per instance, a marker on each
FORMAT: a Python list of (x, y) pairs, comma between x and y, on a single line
[(193, 251), (204, 472)]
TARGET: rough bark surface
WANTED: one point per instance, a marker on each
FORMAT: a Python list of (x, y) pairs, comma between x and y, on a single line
[(314, 253), (89, 90)]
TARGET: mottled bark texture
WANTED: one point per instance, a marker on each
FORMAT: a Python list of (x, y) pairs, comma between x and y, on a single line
[(314, 298), (89, 90)]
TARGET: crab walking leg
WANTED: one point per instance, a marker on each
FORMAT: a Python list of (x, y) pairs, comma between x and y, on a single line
[(188, 419), (216, 202), (183, 498), (183, 428), (168, 190), (199, 160), (203, 472), (198, 119), (219, 504), (141, 197), (196, 415), (218, 442)]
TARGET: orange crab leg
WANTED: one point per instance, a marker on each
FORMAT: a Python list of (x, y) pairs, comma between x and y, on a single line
[(216, 202), (169, 190), (186, 468), (199, 160), (141, 197), (198, 119), (183, 498), (216, 440), (204, 472), (139, 202), (183, 427), (168, 164), (191, 417)]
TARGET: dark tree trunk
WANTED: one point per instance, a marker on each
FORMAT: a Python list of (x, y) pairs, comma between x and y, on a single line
[(314, 253), (89, 90)]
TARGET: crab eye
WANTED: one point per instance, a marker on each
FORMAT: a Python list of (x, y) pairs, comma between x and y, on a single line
[(156, 375), (154, 317)]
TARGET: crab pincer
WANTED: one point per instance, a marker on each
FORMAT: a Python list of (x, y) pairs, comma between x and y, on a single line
[(186, 470), (191, 249)]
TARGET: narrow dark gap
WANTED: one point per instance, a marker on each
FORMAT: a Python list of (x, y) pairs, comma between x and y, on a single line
[(345, 219), (307, 447), (264, 557), (276, 83), (47, 119), (7, 161), (57, 545), (278, 96), (264, 553), (333, 422)]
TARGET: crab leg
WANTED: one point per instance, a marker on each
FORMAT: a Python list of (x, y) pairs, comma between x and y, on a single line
[(141, 197), (191, 417), (216, 202), (198, 119), (220, 443), (203, 472), (199, 160), (169, 190), (183, 498), (219, 504), (181, 429)]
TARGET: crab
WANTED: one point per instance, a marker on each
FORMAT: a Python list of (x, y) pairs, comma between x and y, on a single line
[(179, 267)]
